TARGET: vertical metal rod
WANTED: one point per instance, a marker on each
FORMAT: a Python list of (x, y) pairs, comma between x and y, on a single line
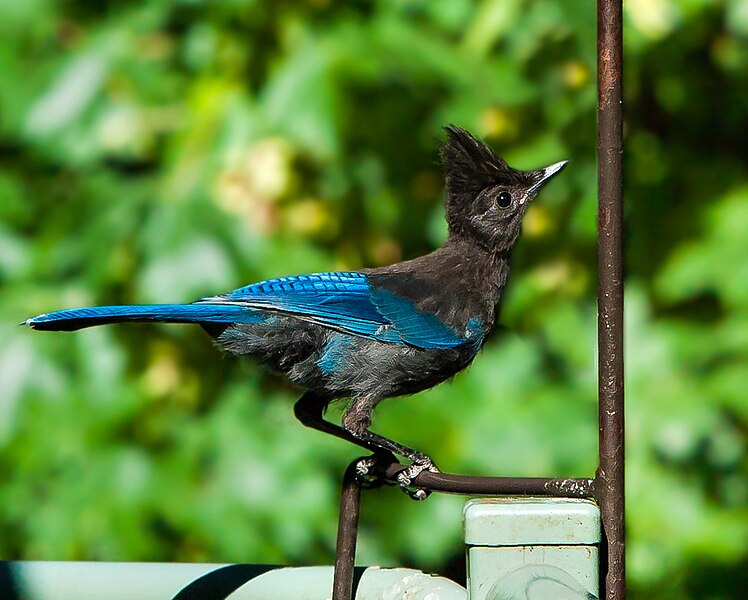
[(609, 483), (345, 551)]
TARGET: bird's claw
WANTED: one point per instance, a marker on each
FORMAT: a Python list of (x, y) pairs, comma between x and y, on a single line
[(406, 476), (370, 474)]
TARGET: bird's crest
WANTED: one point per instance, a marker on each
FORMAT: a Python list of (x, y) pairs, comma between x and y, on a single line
[(471, 165)]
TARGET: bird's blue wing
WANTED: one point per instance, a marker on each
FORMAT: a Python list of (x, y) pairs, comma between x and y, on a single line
[(347, 302), (414, 326)]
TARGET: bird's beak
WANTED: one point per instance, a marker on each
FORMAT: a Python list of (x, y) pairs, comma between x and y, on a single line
[(543, 175)]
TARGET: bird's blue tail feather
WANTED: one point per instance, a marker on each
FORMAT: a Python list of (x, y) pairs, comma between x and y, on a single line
[(78, 318)]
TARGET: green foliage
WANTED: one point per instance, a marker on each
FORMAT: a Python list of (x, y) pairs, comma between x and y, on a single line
[(167, 149)]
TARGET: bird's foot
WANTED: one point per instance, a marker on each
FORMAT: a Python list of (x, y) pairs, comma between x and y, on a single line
[(405, 478), (370, 473)]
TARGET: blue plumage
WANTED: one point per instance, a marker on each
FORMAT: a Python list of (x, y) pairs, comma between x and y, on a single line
[(344, 302), (375, 333), (335, 354), (77, 318), (340, 301), (347, 302), (412, 326)]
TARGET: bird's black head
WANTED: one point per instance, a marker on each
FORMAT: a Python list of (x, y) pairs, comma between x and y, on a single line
[(486, 198)]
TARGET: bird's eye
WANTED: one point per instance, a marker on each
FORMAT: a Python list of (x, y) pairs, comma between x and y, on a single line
[(504, 199)]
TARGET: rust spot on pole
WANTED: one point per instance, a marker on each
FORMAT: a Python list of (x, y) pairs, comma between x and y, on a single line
[(604, 216), (607, 77)]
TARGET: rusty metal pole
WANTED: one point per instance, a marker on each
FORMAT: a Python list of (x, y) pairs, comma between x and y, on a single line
[(609, 483), (345, 551)]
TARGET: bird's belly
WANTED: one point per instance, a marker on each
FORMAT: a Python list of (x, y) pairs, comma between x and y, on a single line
[(369, 367), (282, 344), (341, 365)]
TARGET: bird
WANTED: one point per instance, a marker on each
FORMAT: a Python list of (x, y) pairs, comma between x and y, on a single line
[(366, 335)]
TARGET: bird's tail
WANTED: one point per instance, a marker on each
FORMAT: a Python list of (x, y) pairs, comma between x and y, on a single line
[(78, 318)]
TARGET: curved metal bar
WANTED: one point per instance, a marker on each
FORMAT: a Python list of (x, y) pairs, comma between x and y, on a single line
[(466, 484)]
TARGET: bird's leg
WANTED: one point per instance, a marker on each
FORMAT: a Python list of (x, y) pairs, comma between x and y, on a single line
[(309, 410), (357, 421)]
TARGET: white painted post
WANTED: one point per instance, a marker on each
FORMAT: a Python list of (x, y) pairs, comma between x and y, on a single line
[(532, 548)]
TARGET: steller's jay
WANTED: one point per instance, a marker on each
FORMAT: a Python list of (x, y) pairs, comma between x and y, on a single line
[(374, 333)]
